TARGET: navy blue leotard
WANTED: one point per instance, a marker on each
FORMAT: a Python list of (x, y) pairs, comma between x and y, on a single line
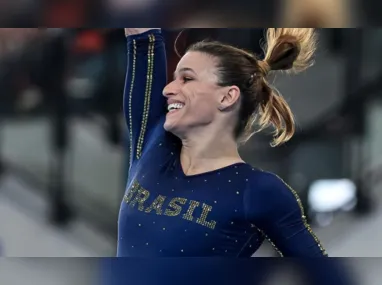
[(227, 212)]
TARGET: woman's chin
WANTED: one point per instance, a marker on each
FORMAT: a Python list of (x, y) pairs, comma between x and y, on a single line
[(168, 126), (171, 127)]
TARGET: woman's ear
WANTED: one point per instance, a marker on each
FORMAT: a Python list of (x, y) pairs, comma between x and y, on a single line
[(230, 95)]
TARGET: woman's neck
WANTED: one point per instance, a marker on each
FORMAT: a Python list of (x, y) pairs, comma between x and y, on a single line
[(204, 153)]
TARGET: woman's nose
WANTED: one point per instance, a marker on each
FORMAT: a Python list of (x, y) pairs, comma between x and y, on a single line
[(170, 89)]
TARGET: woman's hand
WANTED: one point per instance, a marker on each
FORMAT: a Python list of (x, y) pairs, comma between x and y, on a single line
[(136, 31)]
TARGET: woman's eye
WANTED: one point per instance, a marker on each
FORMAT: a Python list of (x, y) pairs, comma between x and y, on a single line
[(186, 79)]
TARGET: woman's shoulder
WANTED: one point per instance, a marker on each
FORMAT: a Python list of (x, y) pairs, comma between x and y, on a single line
[(268, 194), (265, 185)]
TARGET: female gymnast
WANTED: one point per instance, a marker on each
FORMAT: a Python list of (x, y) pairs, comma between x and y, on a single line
[(189, 193)]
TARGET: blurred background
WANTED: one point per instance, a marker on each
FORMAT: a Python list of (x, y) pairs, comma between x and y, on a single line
[(63, 147), (181, 13), (197, 13)]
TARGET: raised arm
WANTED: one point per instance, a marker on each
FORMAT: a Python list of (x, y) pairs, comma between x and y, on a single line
[(145, 79), (276, 210)]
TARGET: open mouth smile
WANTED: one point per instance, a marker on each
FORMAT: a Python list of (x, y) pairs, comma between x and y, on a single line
[(173, 107)]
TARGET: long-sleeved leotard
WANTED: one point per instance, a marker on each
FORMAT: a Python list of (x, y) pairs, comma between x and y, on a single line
[(226, 212)]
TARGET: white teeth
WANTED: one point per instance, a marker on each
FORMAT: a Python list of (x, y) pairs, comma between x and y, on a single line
[(175, 106)]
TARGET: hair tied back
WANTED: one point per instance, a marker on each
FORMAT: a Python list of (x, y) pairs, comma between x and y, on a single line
[(264, 68)]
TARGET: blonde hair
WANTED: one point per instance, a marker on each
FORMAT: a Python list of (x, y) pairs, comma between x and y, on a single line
[(289, 50)]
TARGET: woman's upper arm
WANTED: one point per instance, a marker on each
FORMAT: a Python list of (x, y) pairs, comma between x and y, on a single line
[(275, 208), (146, 77)]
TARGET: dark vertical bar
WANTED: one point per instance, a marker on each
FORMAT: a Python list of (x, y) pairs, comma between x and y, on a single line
[(1, 156), (353, 49), (113, 85), (112, 96), (2, 102), (55, 62), (356, 113)]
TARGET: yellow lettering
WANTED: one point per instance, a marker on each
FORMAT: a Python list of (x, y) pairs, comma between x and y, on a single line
[(188, 215), (176, 209), (137, 195), (130, 193), (202, 220), (156, 205), (140, 198)]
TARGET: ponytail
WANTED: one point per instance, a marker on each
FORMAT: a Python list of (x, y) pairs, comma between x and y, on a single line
[(291, 51)]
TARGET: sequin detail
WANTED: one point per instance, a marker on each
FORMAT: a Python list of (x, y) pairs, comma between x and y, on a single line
[(176, 209), (270, 241), (189, 215), (134, 188), (146, 107), (203, 218), (131, 97), (306, 224), (157, 205), (140, 198)]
